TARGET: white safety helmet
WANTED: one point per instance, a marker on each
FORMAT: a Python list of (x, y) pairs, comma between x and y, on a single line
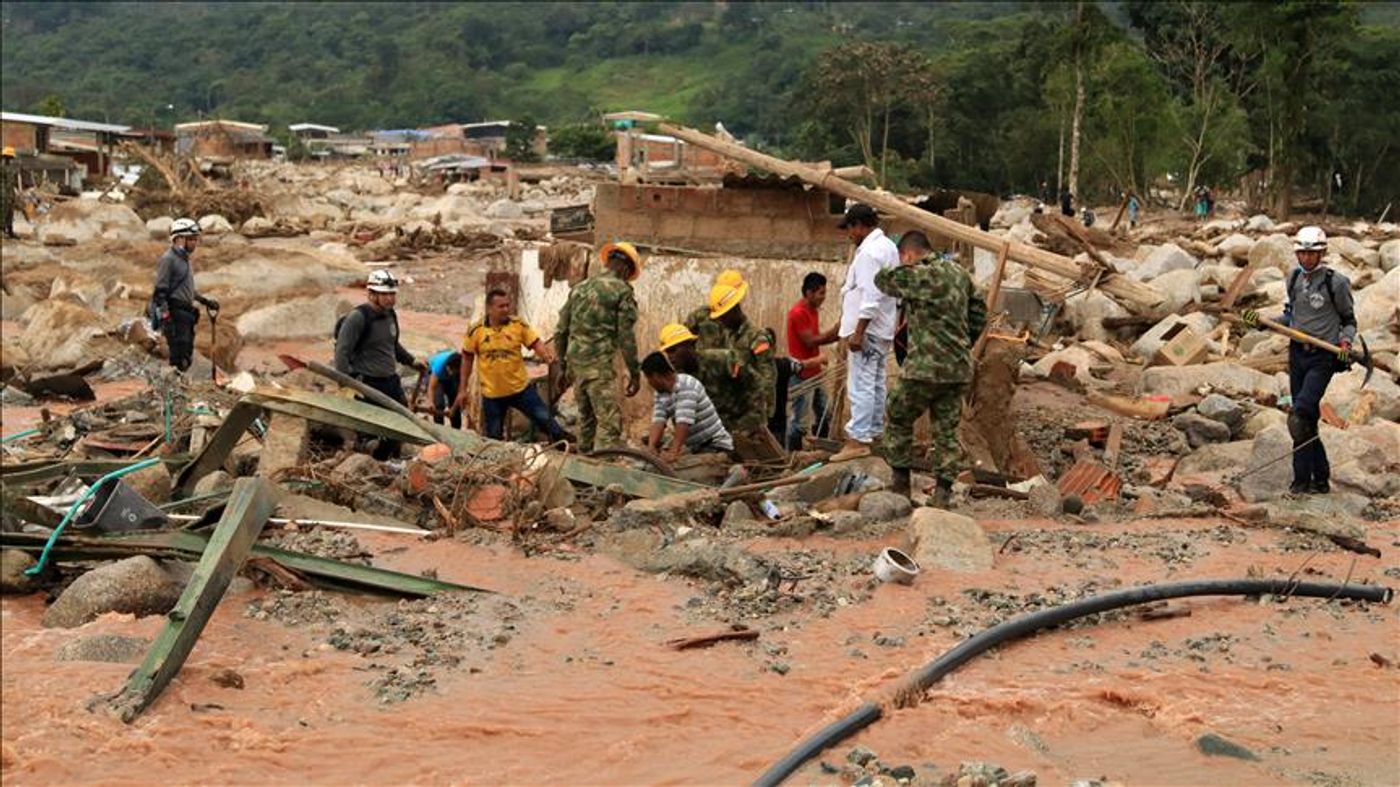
[(382, 281), (183, 228), (1310, 239)]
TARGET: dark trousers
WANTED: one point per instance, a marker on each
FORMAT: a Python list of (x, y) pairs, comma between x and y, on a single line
[(179, 335), (391, 387), (443, 398), (1310, 369), (528, 401)]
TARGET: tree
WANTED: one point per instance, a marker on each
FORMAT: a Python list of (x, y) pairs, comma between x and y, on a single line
[(51, 105), (858, 85), (587, 141), (520, 140)]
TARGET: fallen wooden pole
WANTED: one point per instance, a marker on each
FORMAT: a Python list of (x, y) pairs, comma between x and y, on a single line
[(1135, 296), (249, 505)]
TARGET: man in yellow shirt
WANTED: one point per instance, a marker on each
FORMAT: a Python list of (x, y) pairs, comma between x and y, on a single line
[(494, 346)]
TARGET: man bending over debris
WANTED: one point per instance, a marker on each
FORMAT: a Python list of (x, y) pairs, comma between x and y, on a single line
[(598, 321), (175, 296), (1318, 304), (946, 315), (494, 346), (444, 370), (682, 400), (367, 345)]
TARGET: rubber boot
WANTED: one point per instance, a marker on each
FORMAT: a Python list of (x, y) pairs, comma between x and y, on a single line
[(942, 495), (900, 483)]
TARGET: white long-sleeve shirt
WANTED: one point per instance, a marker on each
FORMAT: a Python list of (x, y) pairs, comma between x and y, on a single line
[(860, 298)]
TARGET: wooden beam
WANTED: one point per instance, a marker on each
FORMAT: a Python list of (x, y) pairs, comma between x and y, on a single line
[(1135, 296), (219, 446), (249, 506)]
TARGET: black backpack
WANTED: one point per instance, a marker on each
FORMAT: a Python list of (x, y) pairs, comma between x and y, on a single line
[(366, 311)]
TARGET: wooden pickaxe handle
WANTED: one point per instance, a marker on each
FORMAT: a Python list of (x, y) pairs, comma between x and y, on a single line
[(1292, 333)]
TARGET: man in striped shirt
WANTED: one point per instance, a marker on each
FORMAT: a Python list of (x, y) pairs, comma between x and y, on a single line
[(682, 400)]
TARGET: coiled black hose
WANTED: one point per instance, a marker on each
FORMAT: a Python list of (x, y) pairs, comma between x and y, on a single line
[(920, 680)]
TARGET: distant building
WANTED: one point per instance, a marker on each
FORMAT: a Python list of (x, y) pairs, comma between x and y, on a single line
[(88, 145), (487, 139), (223, 139)]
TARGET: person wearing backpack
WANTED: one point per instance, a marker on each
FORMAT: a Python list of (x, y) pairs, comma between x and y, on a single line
[(172, 303), (367, 345), (1318, 304)]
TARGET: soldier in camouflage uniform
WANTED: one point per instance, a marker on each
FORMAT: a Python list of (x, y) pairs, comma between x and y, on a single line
[(710, 333), (597, 321), (735, 364), (946, 315), (9, 190)]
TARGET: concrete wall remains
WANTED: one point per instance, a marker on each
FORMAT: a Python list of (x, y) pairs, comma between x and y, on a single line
[(773, 223)]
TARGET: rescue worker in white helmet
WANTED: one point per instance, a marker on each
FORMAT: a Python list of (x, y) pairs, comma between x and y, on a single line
[(367, 345), (174, 297), (1318, 304)]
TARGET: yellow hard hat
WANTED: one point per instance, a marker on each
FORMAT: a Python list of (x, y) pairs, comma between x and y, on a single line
[(9, 152), (731, 277), (674, 334), (627, 249), (724, 297)]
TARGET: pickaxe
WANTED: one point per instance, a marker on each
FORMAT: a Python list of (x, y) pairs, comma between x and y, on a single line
[(1362, 356)]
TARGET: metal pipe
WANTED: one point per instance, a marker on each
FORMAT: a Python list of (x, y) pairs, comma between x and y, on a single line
[(922, 679)]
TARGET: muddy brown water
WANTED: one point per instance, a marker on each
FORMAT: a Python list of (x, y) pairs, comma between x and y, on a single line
[(585, 693)]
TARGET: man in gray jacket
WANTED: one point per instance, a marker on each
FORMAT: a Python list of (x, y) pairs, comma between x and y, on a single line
[(367, 345), (175, 295), (1319, 304)]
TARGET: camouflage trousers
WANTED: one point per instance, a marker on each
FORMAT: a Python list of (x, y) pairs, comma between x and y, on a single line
[(943, 402), (599, 412)]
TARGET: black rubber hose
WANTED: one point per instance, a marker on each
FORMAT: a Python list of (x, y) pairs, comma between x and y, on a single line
[(920, 680)]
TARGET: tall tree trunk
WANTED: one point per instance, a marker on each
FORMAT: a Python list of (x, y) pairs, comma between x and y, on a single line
[(885, 146), (1078, 100), (1060, 164)]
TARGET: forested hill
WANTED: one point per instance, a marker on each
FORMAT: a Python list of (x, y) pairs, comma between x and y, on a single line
[(978, 95)]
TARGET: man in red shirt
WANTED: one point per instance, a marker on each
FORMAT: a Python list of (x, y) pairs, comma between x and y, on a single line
[(805, 339)]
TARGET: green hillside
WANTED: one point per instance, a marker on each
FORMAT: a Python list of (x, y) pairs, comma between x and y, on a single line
[(967, 94)]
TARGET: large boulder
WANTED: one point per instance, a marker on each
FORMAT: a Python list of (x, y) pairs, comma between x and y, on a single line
[(1360, 457), (134, 586), (882, 506), (1200, 430), (158, 228), (1259, 223), (1379, 304), (1223, 409), (1214, 458), (58, 334), (1262, 419), (1275, 251), (83, 220), (505, 209), (1086, 312), (1179, 288), (943, 540), (1235, 246), (1382, 395), (298, 318), (1389, 255), (13, 564), (1354, 251), (1169, 257), (1182, 383), (214, 224)]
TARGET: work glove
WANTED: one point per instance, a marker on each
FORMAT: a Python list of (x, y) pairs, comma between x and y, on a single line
[(1250, 318), (1344, 351), (420, 364), (211, 304)]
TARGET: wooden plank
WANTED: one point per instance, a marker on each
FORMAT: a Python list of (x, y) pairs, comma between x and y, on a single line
[(249, 506), (1134, 295), (1114, 449)]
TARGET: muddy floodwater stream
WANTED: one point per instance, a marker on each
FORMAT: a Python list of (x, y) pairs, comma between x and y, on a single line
[(564, 678)]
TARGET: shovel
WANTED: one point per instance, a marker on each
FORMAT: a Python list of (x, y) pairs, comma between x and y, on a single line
[(213, 312)]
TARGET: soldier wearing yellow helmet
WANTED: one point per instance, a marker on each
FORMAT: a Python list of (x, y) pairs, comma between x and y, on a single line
[(707, 329)]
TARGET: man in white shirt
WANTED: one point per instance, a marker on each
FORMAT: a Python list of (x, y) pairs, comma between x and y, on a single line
[(867, 326)]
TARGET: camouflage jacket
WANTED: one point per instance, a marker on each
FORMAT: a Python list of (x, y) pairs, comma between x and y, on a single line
[(710, 333), (598, 320), (946, 314), (9, 183), (739, 376)]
